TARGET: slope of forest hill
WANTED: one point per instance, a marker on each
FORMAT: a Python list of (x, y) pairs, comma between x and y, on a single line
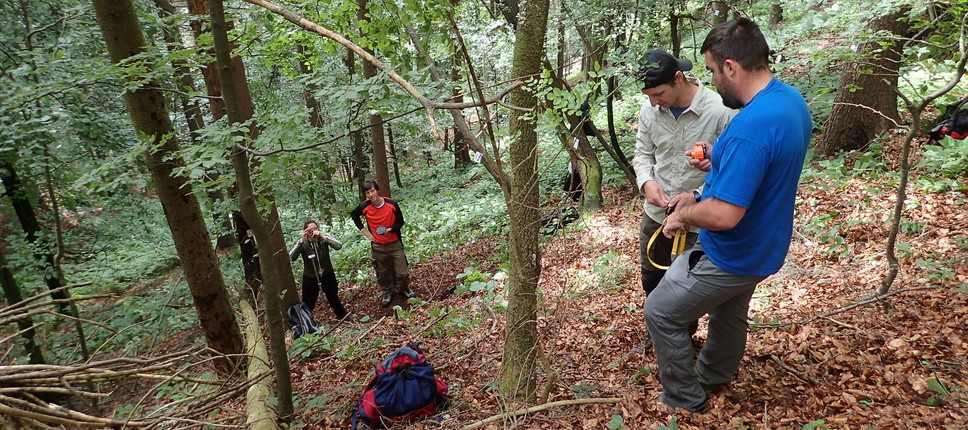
[(818, 356)]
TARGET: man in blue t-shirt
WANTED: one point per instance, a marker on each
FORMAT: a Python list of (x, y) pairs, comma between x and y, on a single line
[(745, 215)]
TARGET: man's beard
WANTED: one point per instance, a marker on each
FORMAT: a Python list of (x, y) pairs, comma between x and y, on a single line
[(726, 91)]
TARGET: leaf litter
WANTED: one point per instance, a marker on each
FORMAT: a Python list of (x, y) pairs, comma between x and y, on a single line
[(866, 367)]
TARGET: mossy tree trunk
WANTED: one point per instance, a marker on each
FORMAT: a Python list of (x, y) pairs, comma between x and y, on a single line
[(521, 349)]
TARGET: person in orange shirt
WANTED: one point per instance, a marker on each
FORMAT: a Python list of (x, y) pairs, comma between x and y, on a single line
[(384, 219)]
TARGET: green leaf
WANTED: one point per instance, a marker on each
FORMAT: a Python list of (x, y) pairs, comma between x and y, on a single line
[(616, 423), (938, 386)]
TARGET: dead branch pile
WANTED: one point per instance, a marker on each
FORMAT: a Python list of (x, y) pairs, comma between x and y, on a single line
[(52, 396)]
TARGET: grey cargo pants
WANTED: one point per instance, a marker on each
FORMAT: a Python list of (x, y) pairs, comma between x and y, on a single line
[(694, 286)]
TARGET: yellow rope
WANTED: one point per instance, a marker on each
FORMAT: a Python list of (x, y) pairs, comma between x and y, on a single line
[(678, 245)]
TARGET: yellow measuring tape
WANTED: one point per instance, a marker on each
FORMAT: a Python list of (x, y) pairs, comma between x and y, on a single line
[(678, 244)]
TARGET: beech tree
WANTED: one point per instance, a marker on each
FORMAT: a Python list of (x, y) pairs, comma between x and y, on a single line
[(273, 257), (866, 101), (149, 114), (521, 348)]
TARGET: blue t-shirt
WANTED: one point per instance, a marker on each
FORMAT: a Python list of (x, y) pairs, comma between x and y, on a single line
[(756, 164)]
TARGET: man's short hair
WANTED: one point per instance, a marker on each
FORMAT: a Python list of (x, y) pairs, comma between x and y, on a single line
[(740, 40), (370, 183), (659, 67), (309, 221)]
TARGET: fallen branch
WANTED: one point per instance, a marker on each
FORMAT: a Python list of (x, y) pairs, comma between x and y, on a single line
[(840, 310), (539, 408), (791, 370)]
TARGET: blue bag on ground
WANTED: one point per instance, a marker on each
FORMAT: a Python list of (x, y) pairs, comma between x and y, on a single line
[(403, 389)]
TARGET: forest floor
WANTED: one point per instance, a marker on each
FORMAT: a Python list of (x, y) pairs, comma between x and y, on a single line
[(816, 356)]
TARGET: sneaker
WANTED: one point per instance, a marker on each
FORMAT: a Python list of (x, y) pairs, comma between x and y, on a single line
[(386, 300), (409, 294)]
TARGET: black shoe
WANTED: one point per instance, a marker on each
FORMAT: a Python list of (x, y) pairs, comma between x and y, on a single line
[(409, 294), (386, 300)]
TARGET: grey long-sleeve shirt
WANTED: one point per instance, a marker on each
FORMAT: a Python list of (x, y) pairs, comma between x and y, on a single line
[(662, 141)]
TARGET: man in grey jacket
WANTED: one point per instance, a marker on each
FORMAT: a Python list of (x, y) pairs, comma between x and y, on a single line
[(680, 113)]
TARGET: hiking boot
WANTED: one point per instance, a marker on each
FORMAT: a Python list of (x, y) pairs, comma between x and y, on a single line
[(712, 388), (386, 300), (671, 409), (409, 294)]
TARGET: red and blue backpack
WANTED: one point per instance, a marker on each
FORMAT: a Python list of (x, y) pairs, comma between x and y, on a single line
[(403, 389)]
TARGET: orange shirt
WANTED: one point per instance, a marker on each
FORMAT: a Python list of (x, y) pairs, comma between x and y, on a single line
[(388, 215)]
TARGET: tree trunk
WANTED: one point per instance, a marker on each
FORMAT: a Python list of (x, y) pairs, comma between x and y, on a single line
[(195, 121), (11, 291), (866, 101), (356, 138), (213, 86), (376, 121), (521, 349), (617, 154), (316, 119), (146, 106), (462, 156), (674, 29), (720, 11), (274, 260), (393, 157), (776, 14), (31, 227), (510, 10), (258, 398)]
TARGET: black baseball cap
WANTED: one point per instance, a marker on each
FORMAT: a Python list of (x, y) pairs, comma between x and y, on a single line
[(658, 67)]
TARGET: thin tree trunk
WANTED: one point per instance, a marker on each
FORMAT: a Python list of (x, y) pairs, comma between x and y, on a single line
[(377, 137), (195, 121), (393, 157), (59, 251), (356, 138), (149, 114), (462, 157), (213, 86), (267, 230), (31, 227), (11, 292), (521, 348), (316, 119)]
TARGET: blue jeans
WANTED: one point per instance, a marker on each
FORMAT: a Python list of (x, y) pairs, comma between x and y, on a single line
[(692, 287)]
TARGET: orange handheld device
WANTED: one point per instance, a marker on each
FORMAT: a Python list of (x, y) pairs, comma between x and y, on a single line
[(698, 152)]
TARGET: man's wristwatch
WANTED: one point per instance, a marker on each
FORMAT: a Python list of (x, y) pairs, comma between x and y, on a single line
[(697, 196)]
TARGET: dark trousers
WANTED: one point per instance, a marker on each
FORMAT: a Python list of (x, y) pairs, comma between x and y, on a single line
[(329, 286), (390, 264), (661, 254)]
